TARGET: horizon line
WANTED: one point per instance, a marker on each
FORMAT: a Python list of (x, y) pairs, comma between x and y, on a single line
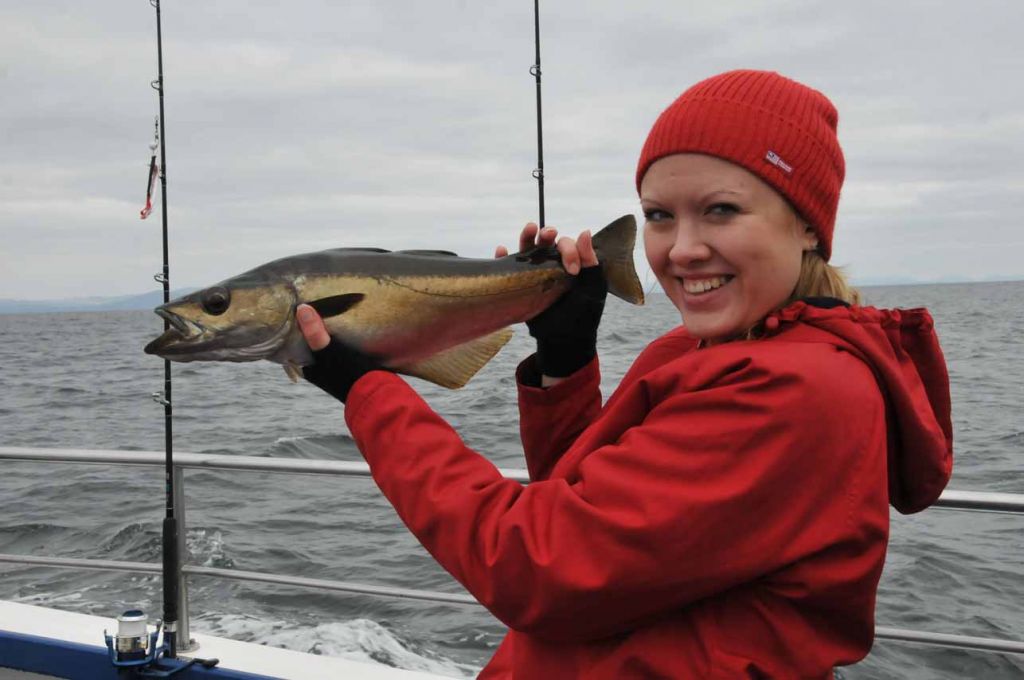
[(869, 283)]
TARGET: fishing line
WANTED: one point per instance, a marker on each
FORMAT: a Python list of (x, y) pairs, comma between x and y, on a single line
[(538, 172), (171, 566)]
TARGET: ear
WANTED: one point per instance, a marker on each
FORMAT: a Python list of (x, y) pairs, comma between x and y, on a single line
[(808, 237)]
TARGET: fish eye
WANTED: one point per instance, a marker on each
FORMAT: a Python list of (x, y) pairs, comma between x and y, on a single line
[(216, 302)]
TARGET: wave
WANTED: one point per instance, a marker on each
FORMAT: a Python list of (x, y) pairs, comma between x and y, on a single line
[(54, 600), (66, 390), (137, 540), (295, 439), (144, 542), (29, 537), (357, 640), (206, 547), (338, 446), (1011, 438)]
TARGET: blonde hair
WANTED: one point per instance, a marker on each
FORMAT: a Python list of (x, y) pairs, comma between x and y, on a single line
[(817, 279), (820, 279)]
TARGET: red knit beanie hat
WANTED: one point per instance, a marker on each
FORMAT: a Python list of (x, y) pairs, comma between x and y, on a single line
[(778, 129)]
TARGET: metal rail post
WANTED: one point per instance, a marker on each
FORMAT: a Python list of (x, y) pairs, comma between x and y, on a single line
[(185, 642)]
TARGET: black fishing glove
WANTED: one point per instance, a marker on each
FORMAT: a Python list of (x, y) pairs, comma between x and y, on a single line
[(566, 332), (336, 368)]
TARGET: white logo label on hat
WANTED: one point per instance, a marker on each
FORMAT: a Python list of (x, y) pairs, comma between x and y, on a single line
[(774, 159)]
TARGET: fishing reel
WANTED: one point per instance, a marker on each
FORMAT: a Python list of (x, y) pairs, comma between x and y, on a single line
[(135, 653), (133, 645)]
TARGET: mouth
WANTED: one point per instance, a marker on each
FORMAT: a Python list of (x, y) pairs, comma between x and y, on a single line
[(174, 339), (186, 328), (176, 321), (704, 285)]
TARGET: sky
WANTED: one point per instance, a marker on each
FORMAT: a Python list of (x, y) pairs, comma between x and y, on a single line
[(293, 127)]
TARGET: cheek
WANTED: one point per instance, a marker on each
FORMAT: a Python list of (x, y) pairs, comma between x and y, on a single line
[(789, 260), (656, 248), (777, 272)]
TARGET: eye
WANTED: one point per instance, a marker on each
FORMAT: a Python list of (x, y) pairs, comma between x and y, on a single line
[(655, 215), (722, 209), (217, 301)]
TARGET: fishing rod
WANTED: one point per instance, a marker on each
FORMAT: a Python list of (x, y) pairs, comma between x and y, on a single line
[(171, 567), (538, 173), (133, 649)]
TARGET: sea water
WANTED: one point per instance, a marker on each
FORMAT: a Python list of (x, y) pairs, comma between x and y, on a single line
[(80, 380)]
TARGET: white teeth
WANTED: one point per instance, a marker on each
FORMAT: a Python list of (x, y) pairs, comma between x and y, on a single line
[(696, 287)]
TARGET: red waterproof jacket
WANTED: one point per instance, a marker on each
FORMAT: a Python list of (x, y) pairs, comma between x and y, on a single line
[(724, 515)]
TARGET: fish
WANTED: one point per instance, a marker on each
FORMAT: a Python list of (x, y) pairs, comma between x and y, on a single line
[(425, 313)]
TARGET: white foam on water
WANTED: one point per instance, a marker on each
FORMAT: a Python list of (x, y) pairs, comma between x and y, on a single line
[(208, 546), (289, 440), (316, 439), (357, 640), (73, 601), (46, 600)]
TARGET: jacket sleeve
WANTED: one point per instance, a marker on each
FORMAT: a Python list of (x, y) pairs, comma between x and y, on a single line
[(713, 489), (551, 418)]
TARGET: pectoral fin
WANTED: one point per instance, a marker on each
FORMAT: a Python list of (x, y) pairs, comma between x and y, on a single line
[(336, 304), (454, 367), (293, 370)]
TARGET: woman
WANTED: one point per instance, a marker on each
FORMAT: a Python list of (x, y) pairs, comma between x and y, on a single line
[(725, 513)]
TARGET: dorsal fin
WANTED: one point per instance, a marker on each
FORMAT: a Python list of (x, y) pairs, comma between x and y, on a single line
[(538, 254), (439, 253), (359, 250), (454, 367), (336, 304)]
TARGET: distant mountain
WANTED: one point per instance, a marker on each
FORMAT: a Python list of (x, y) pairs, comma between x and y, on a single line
[(90, 304), (156, 297), (907, 281)]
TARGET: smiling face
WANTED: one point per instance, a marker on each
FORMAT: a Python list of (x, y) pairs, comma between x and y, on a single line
[(725, 246)]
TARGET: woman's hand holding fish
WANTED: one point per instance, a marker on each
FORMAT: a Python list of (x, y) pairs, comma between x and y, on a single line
[(336, 366), (576, 253), (566, 332)]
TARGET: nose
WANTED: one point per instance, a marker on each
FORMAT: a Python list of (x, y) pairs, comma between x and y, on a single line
[(689, 245)]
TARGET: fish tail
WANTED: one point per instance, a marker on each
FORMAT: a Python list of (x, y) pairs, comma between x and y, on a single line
[(614, 246)]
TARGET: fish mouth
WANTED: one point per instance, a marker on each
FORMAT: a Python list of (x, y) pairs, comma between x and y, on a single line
[(176, 321), (177, 337), (187, 340)]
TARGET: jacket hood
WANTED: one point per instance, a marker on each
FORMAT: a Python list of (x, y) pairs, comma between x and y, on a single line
[(903, 351)]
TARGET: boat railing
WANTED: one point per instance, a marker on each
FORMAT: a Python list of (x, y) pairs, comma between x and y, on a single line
[(950, 500)]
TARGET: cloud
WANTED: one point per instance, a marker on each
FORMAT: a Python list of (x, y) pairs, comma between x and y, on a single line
[(403, 125)]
